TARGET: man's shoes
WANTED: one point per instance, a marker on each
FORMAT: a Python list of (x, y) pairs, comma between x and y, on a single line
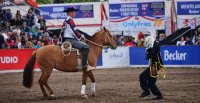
[(144, 94), (159, 97)]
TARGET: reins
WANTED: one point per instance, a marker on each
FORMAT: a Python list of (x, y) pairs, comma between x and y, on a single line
[(102, 46)]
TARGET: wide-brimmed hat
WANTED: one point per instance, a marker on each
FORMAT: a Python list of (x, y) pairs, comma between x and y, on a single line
[(70, 10)]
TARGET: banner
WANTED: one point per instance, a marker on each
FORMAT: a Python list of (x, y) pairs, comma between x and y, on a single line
[(139, 15), (193, 23), (14, 59), (116, 58), (51, 12), (131, 1), (171, 55), (188, 8)]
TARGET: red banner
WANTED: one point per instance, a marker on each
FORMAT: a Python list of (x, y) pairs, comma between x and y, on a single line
[(14, 59)]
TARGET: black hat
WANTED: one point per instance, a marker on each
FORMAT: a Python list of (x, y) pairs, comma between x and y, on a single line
[(70, 10)]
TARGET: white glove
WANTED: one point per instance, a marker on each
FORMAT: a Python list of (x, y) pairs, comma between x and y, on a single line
[(83, 38)]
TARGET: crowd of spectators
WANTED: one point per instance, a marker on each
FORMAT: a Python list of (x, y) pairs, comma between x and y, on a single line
[(194, 40), (133, 42), (23, 31)]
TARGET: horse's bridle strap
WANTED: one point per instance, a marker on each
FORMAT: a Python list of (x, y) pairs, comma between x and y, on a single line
[(102, 46)]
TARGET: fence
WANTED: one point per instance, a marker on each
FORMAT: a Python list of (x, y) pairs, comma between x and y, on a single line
[(173, 56)]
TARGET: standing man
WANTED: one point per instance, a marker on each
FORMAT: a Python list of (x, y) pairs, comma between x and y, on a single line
[(74, 36), (149, 76), (1, 41)]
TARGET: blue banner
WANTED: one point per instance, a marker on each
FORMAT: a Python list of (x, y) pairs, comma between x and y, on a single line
[(171, 55), (153, 9), (99, 61), (51, 12), (188, 8)]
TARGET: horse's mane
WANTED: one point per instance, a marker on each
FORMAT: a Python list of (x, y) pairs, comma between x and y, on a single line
[(91, 37)]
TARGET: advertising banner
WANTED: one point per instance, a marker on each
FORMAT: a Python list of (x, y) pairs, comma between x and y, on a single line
[(193, 23), (116, 58), (53, 11), (14, 59), (171, 55), (188, 8), (137, 15)]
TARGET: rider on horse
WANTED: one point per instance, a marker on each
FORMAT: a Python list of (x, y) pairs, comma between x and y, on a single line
[(74, 36)]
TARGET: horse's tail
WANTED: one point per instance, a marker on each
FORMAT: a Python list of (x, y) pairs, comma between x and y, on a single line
[(28, 71)]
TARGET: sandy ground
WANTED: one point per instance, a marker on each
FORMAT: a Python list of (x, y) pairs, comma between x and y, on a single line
[(182, 85)]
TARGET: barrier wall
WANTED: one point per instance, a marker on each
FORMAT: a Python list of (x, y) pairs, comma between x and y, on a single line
[(14, 59), (173, 56)]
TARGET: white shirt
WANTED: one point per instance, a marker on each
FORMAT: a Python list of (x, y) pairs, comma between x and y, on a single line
[(180, 43), (69, 30)]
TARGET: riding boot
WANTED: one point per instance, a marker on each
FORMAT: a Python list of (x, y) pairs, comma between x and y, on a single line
[(85, 52)]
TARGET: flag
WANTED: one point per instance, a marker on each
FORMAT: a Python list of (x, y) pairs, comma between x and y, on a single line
[(104, 17), (18, 1), (172, 15), (32, 3), (104, 11)]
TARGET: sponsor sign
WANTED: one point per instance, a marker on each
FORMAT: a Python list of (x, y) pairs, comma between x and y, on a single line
[(116, 58), (51, 12), (136, 15), (188, 8)]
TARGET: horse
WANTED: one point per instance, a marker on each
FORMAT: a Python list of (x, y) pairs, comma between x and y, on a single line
[(51, 56)]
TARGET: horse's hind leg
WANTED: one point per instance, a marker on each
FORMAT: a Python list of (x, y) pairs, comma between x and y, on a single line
[(41, 82), (47, 85)]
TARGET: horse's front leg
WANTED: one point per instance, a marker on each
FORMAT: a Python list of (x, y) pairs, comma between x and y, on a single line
[(93, 86), (83, 87)]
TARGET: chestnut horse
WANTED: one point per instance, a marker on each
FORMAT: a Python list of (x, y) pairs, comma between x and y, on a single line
[(51, 56)]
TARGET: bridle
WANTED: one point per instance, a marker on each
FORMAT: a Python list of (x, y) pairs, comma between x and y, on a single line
[(99, 45)]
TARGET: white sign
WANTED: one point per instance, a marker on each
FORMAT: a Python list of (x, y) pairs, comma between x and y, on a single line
[(137, 23), (116, 58)]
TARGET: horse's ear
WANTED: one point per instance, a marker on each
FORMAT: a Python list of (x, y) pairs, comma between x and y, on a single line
[(104, 28)]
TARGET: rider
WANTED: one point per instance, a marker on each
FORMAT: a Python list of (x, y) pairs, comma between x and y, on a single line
[(74, 36)]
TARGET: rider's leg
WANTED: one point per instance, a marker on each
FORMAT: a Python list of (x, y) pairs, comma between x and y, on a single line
[(85, 52), (82, 46)]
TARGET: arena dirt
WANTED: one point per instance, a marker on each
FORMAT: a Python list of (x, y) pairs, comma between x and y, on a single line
[(182, 85)]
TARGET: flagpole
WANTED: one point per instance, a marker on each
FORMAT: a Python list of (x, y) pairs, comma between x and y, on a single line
[(175, 14)]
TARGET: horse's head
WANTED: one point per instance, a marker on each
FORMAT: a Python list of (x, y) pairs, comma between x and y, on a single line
[(103, 38), (108, 39)]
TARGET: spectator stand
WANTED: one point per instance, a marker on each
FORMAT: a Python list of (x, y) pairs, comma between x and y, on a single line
[(27, 35)]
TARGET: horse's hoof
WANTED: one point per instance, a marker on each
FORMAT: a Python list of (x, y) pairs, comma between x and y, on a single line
[(51, 97), (93, 94), (84, 96)]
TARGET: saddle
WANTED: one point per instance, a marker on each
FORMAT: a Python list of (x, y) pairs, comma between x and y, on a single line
[(66, 48)]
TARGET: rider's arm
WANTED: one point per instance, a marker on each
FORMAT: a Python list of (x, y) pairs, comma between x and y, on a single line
[(73, 28), (85, 34)]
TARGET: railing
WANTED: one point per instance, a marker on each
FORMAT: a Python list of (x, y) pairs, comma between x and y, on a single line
[(172, 56)]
